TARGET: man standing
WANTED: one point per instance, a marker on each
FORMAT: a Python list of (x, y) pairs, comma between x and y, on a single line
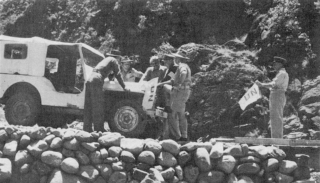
[(180, 93), (156, 70), (128, 73), (94, 97), (277, 99)]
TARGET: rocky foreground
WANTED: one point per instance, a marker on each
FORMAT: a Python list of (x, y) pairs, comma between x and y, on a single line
[(49, 155)]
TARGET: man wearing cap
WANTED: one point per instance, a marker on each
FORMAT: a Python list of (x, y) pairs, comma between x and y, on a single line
[(94, 97), (180, 93), (156, 70), (128, 73), (277, 99)]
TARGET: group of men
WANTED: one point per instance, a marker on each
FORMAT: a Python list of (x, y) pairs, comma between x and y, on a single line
[(174, 78)]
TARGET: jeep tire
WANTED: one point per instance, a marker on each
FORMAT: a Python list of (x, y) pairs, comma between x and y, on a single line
[(22, 109), (126, 117)]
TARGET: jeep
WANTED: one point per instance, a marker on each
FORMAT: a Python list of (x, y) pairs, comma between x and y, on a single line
[(43, 81)]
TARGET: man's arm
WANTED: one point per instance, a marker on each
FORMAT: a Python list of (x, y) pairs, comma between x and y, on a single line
[(116, 71), (275, 82), (137, 74), (146, 75)]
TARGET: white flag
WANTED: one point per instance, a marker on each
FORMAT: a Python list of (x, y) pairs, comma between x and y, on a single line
[(150, 93), (252, 95)]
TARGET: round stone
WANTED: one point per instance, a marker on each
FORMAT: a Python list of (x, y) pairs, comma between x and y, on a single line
[(70, 165)]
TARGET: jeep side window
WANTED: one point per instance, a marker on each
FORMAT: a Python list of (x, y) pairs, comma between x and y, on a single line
[(15, 51)]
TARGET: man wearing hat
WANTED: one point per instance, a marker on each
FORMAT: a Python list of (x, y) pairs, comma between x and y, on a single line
[(180, 93), (94, 96), (277, 99), (128, 73)]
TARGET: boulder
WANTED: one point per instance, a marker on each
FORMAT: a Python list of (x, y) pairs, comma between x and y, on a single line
[(82, 158), (22, 157), (216, 150), (139, 174), (212, 177), (91, 146), (248, 168), (57, 132), (268, 152), (70, 165), (105, 170), (144, 166), (135, 146), (110, 139), (170, 146), (48, 139), (72, 144), (56, 143), (83, 136), (67, 152), (147, 157), (250, 159), (191, 173), (232, 178), (301, 173), (58, 176), (179, 172), (245, 179), (3, 135), (183, 158), (127, 157), (302, 159), (168, 173), (5, 169), (118, 177), (95, 157), (166, 159), (104, 153), (118, 166), (24, 141), (52, 158), (38, 133), (25, 168), (282, 178), (235, 151), (270, 165), (41, 168), (10, 148), (114, 151), (153, 146), (68, 135), (202, 159), (88, 172), (226, 164), (190, 146), (100, 180), (37, 147), (287, 166)]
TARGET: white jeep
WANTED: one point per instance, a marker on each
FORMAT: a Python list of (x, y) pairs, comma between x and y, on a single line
[(42, 81)]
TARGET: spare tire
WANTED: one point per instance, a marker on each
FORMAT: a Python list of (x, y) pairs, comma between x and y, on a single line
[(127, 118), (23, 109)]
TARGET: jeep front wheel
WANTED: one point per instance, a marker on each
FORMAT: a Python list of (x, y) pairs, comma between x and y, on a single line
[(22, 109), (126, 117)]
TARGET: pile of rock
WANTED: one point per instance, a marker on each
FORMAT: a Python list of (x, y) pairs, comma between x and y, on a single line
[(48, 155)]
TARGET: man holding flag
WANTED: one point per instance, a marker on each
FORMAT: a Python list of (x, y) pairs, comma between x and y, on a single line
[(277, 99)]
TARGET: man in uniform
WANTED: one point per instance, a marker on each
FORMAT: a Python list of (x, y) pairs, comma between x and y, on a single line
[(94, 97), (128, 73), (277, 99), (180, 93)]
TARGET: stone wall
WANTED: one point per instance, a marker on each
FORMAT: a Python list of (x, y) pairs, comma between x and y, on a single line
[(48, 155)]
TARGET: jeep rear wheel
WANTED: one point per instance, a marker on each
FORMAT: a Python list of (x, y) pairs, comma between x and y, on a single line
[(22, 109), (126, 117)]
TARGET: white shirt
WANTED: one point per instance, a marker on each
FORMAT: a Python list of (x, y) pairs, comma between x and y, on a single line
[(281, 81)]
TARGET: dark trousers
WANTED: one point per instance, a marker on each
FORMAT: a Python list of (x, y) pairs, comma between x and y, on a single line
[(94, 104)]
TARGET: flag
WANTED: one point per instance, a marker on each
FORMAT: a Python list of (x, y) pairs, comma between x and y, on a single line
[(252, 95)]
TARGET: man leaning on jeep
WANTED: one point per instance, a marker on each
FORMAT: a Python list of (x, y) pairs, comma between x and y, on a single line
[(94, 97)]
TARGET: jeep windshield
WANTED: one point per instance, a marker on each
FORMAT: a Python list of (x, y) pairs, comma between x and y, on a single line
[(91, 57)]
